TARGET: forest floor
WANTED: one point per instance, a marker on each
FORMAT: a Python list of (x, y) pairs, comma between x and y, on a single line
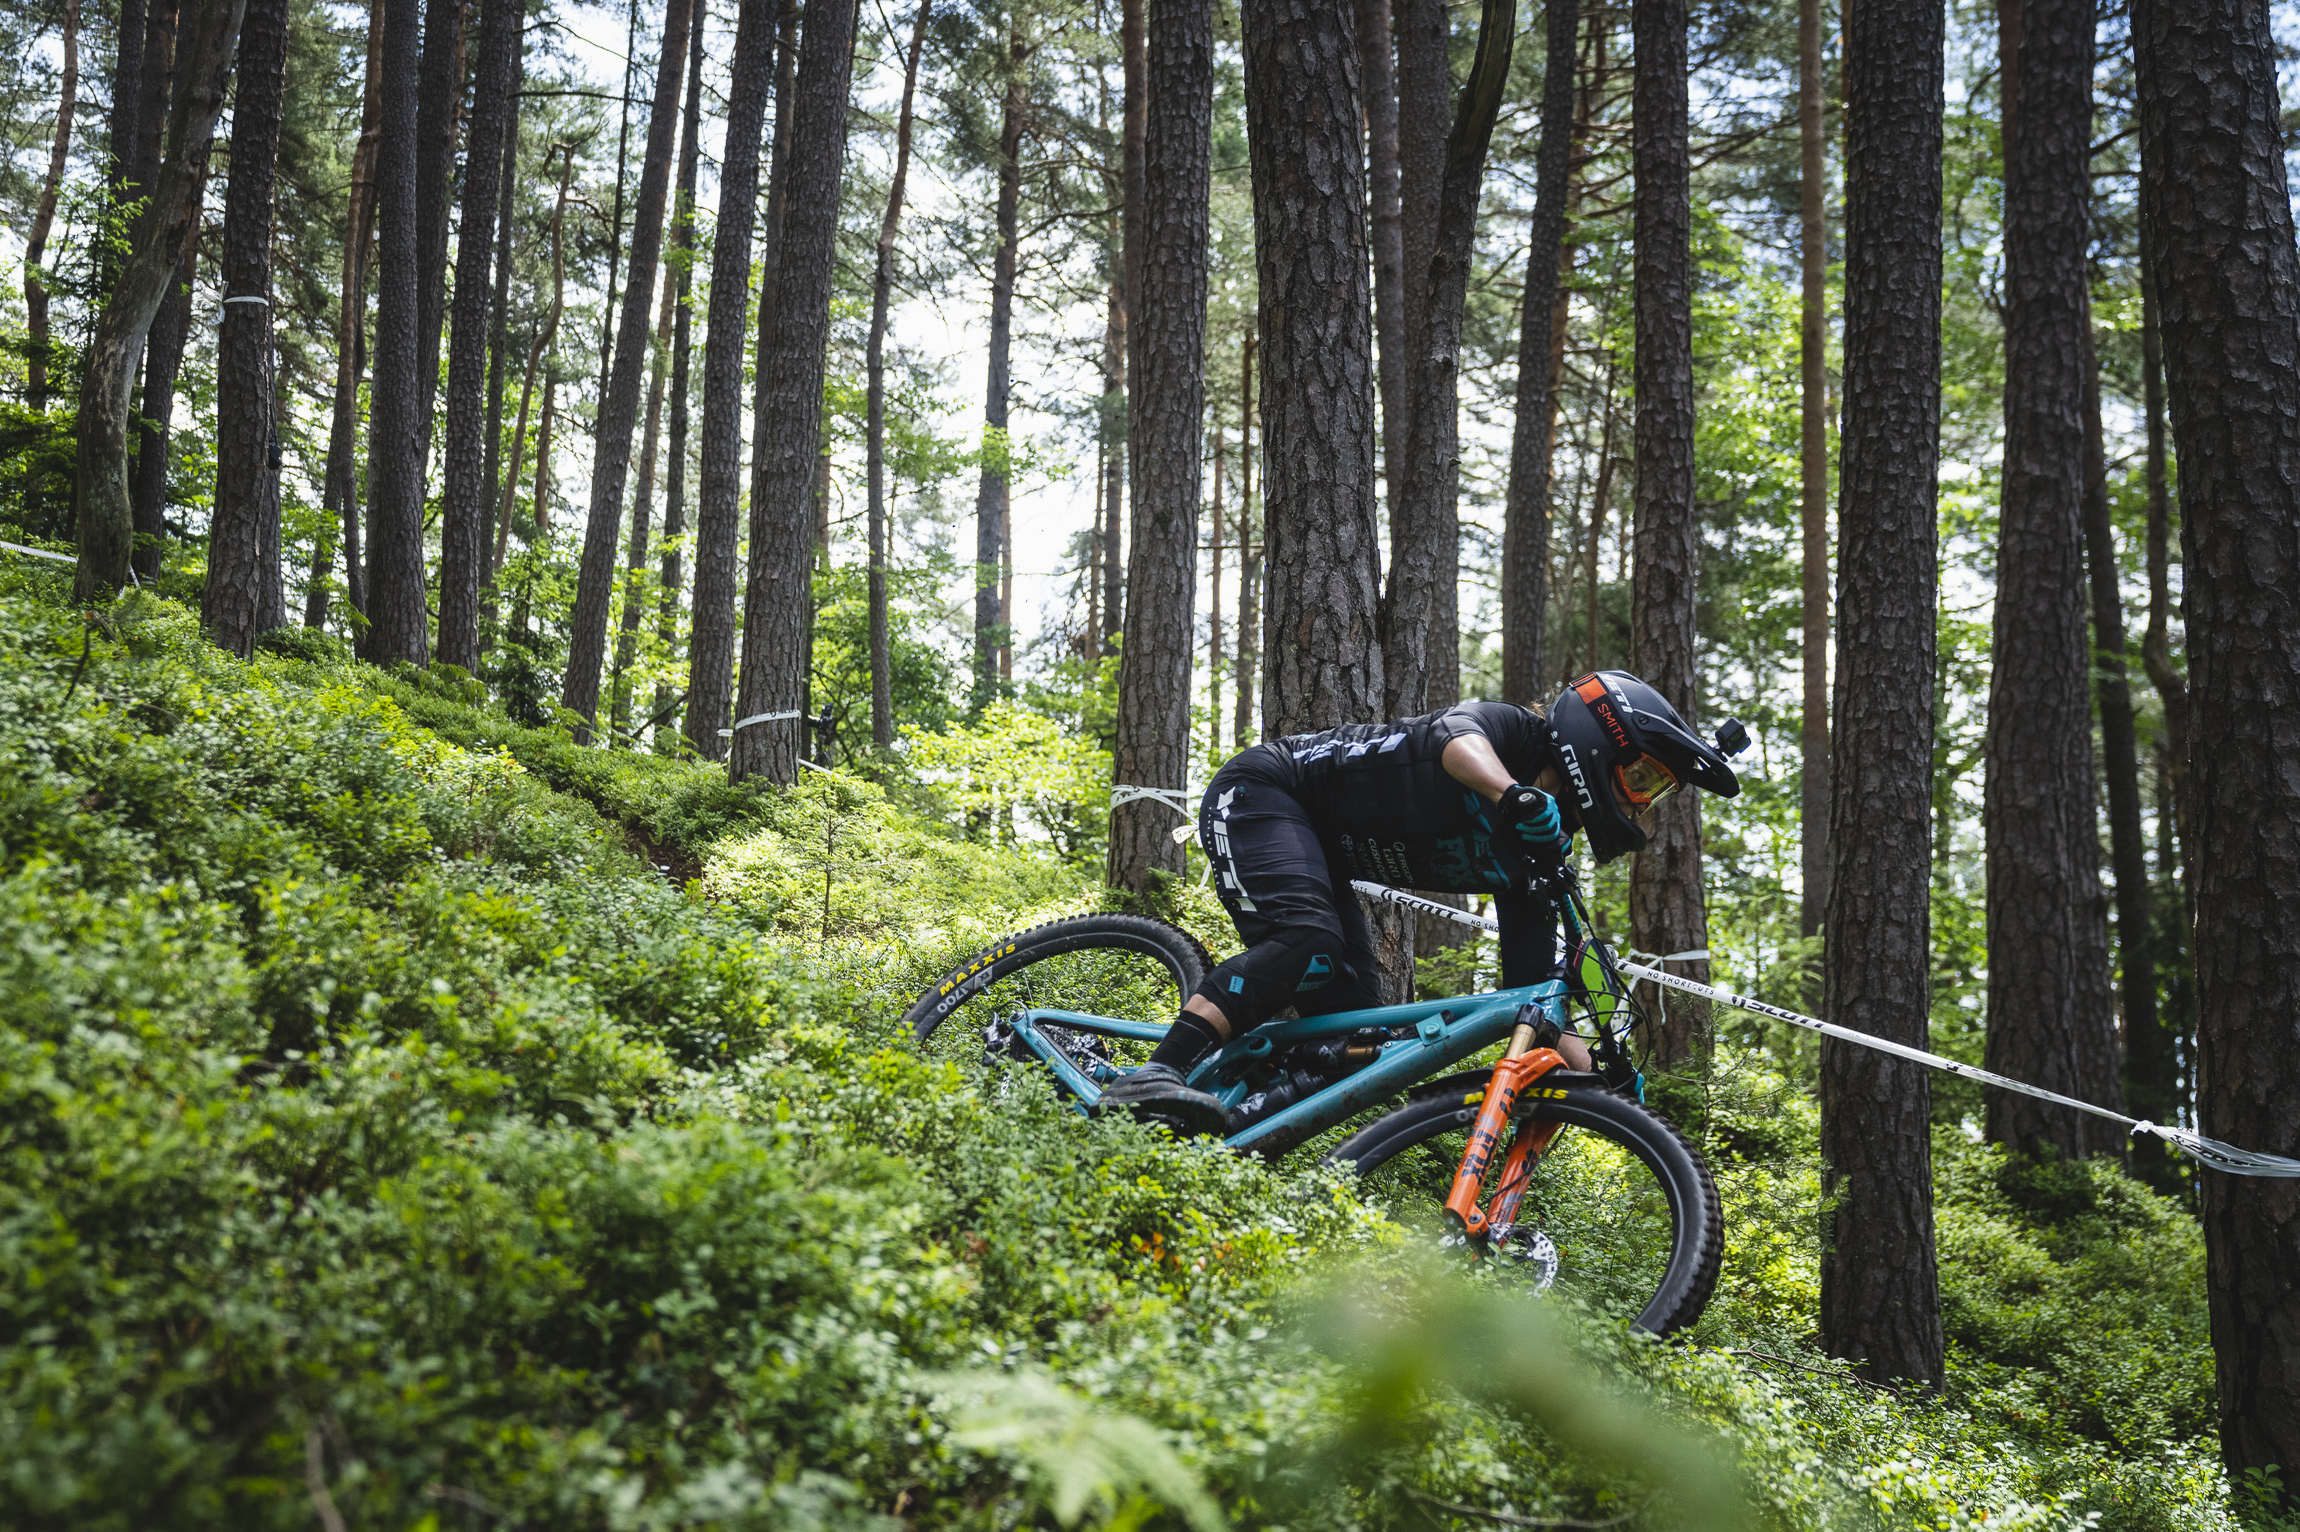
[(413, 1119)]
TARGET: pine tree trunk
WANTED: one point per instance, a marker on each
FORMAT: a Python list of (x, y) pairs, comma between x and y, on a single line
[(1421, 625), (1115, 451), (164, 344), (498, 368), (243, 541), (127, 104), (874, 362), (1533, 434), (1880, 1287), (1133, 55), (990, 493), (124, 318), (1667, 913), (1249, 556), (339, 487), (163, 364), (619, 405), (439, 108), (2050, 1020), (2152, 1069), (398, 621), (711, 627), (36, 242), (1378, 84), (1813, 428), (537, 369), (667, 703), (634, 568), (2220, 235), (1167, 410), (2120, 759), (1322, 658), (463, 515), (777, 604), (1425, 102)]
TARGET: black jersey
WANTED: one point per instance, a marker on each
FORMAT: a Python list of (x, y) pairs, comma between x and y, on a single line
[(1379, 794)]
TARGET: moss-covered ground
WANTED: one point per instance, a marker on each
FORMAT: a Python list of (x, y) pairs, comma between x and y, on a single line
[(408, 1119)]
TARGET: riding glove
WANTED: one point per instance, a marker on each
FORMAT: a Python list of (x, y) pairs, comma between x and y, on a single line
[(1533, 813)]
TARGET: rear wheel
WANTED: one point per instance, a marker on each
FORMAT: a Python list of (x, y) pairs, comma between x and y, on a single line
[(1123, 966), (1621, 1212)]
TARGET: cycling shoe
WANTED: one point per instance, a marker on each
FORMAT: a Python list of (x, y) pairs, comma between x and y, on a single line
[(1155, 1093)]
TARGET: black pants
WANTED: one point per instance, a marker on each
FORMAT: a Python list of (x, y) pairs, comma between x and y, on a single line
[(1286, 887)]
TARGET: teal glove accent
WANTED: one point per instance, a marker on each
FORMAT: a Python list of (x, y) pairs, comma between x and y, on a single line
[(1533, 814)]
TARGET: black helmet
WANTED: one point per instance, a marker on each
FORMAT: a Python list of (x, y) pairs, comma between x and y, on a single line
[(1623, 749)]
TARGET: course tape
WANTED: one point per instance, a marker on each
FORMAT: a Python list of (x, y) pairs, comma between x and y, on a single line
[(2205, 1151)]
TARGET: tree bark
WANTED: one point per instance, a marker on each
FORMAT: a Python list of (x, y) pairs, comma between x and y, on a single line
[(1880, 1286), (1168, 408), (2050, 1019), (1133, 55), (105, 527), (2143, 1033), (1425, 100), (1421, 625), (1249, 556), (1813, 433), (990, 617), (682, 359), (634, 565), (1115, 449), (440, 106), (398, 619), (339, 488), (1378, 83), (463, 515), (243, 544), (498, 367), (2228, 293), (127, 104), (163, 364), (1667, 913), (596, 579), (36, 242), (1322, 655), (1533, 434), (777, 604), (2153, 1085), (874, 363), (711, 628), (544, 337)]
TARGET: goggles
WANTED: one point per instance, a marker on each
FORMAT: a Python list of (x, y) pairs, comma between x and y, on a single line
[(1642, 783)]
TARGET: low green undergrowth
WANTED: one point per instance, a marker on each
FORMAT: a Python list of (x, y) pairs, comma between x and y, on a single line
[(412, 1119)]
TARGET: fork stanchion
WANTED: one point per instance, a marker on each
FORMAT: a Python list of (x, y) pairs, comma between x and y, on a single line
[(1510, 1078)]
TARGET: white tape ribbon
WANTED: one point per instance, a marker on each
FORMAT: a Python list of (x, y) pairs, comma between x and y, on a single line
[(40, 553), (2205, 1151), (744, 723)]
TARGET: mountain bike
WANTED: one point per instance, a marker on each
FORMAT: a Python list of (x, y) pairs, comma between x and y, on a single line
[(1591, 1191)]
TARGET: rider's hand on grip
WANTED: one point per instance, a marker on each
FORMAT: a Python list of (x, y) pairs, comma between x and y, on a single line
[(1533, 813)]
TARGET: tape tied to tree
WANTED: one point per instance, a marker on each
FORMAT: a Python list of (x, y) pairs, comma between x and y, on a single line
[(1178, 799), (2205, 1151), (744, 723)]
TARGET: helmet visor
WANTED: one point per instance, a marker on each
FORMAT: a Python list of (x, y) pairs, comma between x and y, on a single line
[(1642, 783)]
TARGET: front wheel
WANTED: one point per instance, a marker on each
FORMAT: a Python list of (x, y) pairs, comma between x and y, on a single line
[(1621, 1212)]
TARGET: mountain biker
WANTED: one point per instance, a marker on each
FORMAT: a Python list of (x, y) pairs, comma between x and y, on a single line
[(1464, 800)]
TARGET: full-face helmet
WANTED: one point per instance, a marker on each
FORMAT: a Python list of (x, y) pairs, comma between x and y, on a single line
[(1623, 749)]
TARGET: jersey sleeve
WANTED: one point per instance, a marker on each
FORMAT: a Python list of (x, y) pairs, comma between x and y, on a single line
[(1504, 725)]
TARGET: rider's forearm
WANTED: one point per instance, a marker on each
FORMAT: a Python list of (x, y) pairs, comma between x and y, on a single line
[(1470, 760)]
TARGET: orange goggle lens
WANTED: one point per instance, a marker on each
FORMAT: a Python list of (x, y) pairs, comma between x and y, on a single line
[(1643, 783)]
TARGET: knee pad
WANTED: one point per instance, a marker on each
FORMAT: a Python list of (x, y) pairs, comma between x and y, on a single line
[(1287, 969)]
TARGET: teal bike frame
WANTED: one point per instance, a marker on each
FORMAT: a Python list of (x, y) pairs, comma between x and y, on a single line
[(1444, 1033)]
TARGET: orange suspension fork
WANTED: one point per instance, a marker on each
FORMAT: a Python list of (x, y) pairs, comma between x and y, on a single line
[(1519, 1068)]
